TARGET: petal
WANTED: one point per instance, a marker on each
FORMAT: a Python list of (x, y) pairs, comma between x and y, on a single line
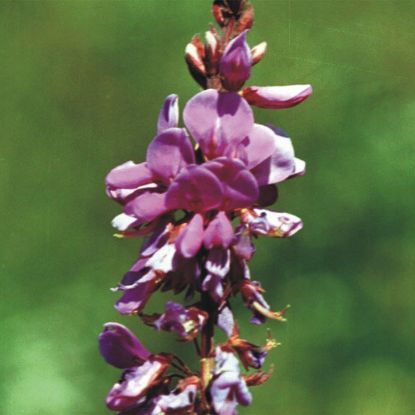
[(169, 114), (178, 402), (122, 222), (135, 384), (134, 300), (147, 206), (194, 189), (299, 167), (218, 119), (275, 224), (129, 176), (277, 97), (190, 239), (218, 262), (240, 186), (169, 152), (226, 321), (219, 232), (279, 166), (261, 145), (235, 64), (120, 348)]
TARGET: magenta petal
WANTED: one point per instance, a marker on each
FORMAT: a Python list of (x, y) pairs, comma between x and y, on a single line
[(195, 189), (219, 232), (169, 152), (169, 114), (129, 176), (277, 97), (240, 186), (120, 348), (217, 119), (190, 239), (279, 166), (261, 145), (235, 64), (147, 206)]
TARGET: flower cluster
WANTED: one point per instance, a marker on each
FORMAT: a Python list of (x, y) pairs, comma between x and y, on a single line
[(200, 199)]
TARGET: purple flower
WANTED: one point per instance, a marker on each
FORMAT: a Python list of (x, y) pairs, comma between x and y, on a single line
[(144, 371), (136, 383), (251, 292), (185, 321), (217, 120), (181, 400), (228, 388), (144, 277), (141, 187), (235, 65), (266, 222), (223, 125)]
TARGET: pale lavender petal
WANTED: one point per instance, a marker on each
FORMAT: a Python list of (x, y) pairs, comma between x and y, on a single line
[(194, 189), (129, 176), (120, 348), (147, 206), (169, 152), (279, 166), (190, 239), (235, 64), (226, 321), (169, 114), (219, 232), (261, 145), (277, 97), (218, 119), (228, 389), (178, 402), (240, 186), (135, 383)]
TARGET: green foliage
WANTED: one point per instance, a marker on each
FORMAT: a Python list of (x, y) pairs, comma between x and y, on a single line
[(82, 83)]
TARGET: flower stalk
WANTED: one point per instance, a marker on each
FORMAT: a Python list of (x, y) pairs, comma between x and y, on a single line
[(200, 199)]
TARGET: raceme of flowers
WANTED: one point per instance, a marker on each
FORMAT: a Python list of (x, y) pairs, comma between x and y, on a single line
[(199, 199)]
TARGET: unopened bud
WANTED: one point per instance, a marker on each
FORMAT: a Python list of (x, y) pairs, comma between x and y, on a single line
[(212, 51), (258, 52), (194, 55)]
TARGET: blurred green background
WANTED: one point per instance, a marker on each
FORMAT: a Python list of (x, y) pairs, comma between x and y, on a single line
[(81, 86)]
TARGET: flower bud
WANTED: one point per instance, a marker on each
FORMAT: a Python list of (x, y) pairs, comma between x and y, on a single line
[(235, 65), (194, 55), (258, 52), (212, 51)]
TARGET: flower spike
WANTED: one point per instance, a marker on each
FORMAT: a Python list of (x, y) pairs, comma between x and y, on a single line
[(200, 199)]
